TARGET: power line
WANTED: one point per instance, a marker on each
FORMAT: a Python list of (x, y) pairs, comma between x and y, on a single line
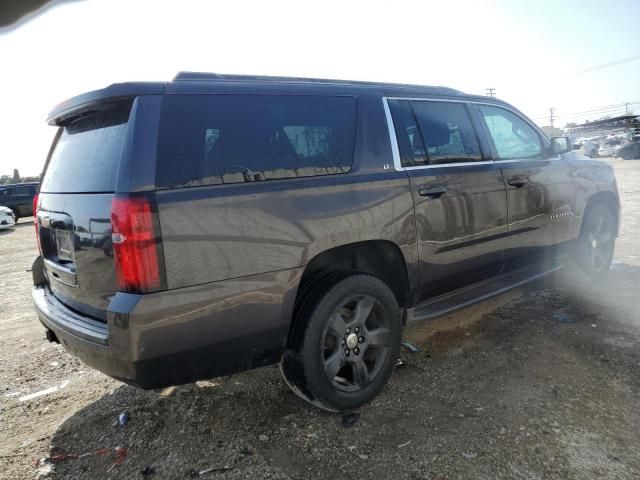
[(616, 111), (595, 111), (613, 111), (606, 107), (608, 64)]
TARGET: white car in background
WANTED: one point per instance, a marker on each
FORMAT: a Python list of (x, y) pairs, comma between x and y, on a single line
[(608, 147), (590, 147), (7, 218)]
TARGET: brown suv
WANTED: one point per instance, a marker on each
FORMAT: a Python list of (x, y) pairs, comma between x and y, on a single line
[(218, 223)]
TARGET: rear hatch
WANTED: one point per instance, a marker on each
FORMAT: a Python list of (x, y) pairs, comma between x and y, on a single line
[(74, 207)]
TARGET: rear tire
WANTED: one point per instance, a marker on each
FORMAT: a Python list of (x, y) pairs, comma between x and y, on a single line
[(15, 214), (346, 340)]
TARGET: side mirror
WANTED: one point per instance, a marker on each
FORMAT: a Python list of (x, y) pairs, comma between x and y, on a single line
[(560, 145)]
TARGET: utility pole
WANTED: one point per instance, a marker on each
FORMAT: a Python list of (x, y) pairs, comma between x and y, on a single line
[(491, 92), (626, 109), (551, 117)]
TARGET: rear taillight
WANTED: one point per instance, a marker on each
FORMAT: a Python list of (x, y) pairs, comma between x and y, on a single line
[(136, 244), (35, 204)]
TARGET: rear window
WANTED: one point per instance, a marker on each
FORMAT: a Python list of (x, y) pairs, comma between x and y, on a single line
[(447, 131), (219, 139), (410, 144), (87, 155)]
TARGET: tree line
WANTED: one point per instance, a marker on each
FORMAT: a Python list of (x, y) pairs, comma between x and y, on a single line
[(16, 178)]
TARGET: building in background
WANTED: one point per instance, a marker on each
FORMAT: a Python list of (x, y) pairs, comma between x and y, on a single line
[(620, 123), (552, 131)]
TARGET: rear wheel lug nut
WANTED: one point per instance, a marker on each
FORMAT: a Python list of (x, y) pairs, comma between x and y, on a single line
[(348, 330), (343, 342), (356, 351), (347, 352), (361, 339), (357, 329)]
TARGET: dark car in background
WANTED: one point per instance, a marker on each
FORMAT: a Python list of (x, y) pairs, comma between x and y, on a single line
[(19, 198), (217, 223), (630, 150)]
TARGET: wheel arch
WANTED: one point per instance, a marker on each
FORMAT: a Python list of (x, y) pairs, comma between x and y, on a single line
[(380, 258)]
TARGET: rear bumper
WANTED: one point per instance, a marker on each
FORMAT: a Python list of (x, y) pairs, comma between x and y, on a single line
[(173, 337)]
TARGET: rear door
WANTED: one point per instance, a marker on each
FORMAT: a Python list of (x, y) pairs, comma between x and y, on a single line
[(539, 188), (459, 196), (73, 218)]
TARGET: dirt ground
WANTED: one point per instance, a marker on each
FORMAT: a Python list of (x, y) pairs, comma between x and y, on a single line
[(538, 383)]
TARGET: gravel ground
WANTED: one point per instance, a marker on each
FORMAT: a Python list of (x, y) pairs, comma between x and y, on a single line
[(537, 383)]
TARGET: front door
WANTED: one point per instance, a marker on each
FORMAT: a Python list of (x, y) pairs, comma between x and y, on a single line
[(459, 198), (539, 189)]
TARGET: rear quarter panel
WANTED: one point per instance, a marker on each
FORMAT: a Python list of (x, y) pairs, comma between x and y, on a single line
[(216, 233)]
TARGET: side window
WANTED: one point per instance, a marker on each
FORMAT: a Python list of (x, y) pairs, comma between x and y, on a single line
[(216, 139), (513, 137), (410, 144), (22, 191), (447, 132)]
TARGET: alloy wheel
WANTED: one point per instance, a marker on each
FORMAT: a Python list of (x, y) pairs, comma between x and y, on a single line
[(356, 343), (600, 241)]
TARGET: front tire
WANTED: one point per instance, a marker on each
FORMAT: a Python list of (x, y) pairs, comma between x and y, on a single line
[(349, 333), (596, 243)]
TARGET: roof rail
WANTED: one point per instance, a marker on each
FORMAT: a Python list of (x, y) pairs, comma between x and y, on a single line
[(209, 77)]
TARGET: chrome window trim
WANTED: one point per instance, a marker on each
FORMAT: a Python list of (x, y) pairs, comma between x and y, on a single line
[(453, 164), (395, 150), (518, 160)]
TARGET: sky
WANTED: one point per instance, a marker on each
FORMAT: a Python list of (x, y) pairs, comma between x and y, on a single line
[(574, 56)]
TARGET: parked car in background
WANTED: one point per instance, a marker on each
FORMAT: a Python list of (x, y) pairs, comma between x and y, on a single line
[(590, 147), (218, 223), (19, 198), (608, 146), (578, 142), (630, 150), (7, 218)]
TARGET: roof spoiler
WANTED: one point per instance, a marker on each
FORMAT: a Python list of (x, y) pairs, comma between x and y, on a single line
[(118, 91)]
